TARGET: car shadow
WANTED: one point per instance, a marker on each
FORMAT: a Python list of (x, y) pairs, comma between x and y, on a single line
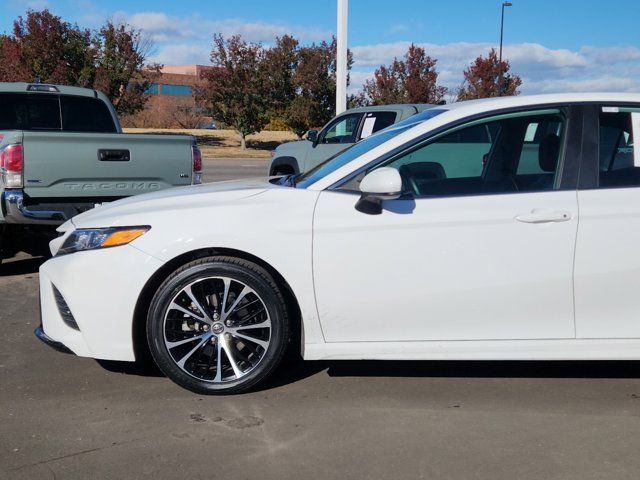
[(455, 369), (486, 369), (138, 368), (292, 371), (21, 266)]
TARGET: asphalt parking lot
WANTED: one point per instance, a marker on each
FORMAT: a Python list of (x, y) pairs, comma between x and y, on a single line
[(67, 417)]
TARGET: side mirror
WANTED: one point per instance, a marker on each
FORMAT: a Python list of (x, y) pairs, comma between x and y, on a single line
[(312, 136), (382, 184)]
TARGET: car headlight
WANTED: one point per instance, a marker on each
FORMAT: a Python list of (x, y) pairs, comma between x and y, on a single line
[(93, 238)]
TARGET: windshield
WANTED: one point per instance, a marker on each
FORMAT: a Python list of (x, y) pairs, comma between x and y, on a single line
[(339, 160)]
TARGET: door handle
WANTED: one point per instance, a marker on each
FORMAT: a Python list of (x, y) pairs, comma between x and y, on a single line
[(544, 216), (107, 155)]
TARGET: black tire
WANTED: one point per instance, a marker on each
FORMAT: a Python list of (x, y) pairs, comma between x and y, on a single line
[(238, 270)]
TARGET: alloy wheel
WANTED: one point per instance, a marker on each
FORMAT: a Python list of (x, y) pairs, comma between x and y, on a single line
[(217, 329)]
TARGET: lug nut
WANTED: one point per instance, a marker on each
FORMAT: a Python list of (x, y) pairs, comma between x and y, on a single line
[(216, 315), (228, 323), (205, 327)]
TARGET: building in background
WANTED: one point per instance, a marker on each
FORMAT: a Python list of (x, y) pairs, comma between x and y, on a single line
[(171, 103)]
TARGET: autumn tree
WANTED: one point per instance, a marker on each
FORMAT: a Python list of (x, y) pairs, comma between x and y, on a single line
[(279, 67), (413, 79), (187, 117), (489, 77), (234, 90), (121, 69), (315, 81), (43, 46), (113, 59)]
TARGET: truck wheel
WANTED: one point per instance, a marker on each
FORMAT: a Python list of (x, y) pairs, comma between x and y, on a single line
[(218, 325)]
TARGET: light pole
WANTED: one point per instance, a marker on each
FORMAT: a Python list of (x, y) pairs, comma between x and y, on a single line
[(341, 57), (504, 4)]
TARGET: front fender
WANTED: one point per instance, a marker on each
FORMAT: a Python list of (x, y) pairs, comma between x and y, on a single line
[(274, 226), (287, 160)]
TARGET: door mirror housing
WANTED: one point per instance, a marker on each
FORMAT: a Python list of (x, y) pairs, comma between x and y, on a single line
[(382, 184), (312, 136)]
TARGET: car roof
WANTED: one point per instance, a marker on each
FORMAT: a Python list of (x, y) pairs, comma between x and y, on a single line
[(393, 106), (496, 103), (22, 87)]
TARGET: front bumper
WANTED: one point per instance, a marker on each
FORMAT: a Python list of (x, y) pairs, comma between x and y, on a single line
[(44, 338), (15, 211), (101, 289)]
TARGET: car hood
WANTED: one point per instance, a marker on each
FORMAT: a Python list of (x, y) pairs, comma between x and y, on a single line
[(173, 199), (290, 147)]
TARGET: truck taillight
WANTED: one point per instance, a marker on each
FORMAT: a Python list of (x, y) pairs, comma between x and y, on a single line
[(11, 164), (196, 157)]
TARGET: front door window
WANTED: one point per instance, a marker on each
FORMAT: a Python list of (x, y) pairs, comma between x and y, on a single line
[(343, 129), (506, 155)]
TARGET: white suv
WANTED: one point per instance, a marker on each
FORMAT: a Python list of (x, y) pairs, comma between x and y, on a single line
[(336, 136)]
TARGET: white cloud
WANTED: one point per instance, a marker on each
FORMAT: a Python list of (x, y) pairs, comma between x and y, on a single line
[(161, 27), (536, 53), (30, 4), (611, 55), (600, 84), (399, 28), (182, 54), (357, 79)]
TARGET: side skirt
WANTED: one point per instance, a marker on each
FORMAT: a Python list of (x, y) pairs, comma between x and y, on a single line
[(563, 349)]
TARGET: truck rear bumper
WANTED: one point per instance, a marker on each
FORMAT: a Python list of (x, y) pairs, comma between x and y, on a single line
[(15, 211)]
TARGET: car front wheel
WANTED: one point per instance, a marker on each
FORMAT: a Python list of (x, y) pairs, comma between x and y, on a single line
[(218, 325)]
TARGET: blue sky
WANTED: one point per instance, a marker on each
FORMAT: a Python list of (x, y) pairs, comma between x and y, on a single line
[(559, 45)]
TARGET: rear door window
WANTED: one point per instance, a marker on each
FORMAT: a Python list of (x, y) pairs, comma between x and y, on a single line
[(619, 160), (82, 114), (22, 111), (375, 121)]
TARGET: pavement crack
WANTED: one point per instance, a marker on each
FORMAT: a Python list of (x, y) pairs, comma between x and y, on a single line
[(62, 457), (75, 454)]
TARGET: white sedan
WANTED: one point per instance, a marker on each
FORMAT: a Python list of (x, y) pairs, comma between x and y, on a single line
[(494, 229)]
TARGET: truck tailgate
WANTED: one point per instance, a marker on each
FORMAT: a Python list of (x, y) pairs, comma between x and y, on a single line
[(59, 164)]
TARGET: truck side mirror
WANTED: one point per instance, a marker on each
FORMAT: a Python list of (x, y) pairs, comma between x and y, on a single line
[(312, 136)]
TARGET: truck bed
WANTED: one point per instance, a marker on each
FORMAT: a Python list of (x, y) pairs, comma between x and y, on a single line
[(61, 164)]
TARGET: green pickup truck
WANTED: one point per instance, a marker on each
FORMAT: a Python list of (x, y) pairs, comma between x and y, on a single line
[(338, 135), (62, 152)]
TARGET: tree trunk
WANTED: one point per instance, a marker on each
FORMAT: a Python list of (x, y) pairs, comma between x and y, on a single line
[(243, 142)]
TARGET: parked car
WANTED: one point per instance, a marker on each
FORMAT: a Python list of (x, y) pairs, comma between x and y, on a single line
[(337, 135), (62, 151), (483, 230), (209, 126)]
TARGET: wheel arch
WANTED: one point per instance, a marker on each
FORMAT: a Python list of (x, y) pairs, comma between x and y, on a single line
[(140, 345), (286, 161)]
